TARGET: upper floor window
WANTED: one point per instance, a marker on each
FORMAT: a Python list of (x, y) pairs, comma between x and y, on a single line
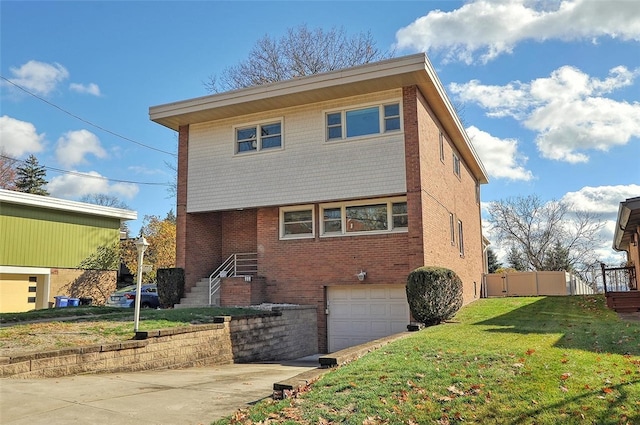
[(362, 217), (456, 165), (297, 222), (259, 137), (363, 121), (441, 147)]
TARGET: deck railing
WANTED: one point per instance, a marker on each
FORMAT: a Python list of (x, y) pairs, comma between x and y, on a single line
[(242, 264), (619, 279)]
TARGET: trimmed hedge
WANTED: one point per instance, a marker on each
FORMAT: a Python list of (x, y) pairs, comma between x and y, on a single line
[(434, 294)]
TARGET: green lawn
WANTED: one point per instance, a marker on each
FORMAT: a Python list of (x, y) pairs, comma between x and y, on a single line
[(542, 360)]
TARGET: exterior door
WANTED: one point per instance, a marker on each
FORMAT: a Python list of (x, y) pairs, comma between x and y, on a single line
[(362, 313)]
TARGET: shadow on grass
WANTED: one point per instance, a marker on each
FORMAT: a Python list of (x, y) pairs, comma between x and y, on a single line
[(616, 398), (583, 321)]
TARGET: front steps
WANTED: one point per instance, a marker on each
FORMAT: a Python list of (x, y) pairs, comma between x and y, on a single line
[(198, 296), (624, 302)]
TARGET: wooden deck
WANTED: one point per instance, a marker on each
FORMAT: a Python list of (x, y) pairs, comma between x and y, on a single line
[(624, 302)]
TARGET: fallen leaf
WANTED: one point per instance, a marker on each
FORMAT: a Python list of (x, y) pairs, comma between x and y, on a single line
[(564, 389), (454, 390), (518, 365), (530, 351), (607, 390), (565, 376)]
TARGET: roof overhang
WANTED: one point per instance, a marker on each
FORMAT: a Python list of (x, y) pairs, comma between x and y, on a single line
[(48, 202), (385, 75), (626, 224)]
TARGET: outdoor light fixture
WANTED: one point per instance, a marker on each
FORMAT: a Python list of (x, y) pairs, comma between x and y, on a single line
[(361, 275), (141, 246)]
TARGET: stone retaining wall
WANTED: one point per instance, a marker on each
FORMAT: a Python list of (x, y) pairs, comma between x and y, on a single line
[(283, 333)]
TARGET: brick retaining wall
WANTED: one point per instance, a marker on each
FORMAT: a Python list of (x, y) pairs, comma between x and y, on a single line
[(283, 333)]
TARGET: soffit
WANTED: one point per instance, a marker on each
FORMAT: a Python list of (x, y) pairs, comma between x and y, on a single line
[(627, 223)]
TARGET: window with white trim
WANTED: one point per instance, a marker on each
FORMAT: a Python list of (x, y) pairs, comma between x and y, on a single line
[(452, 229), (456, 165), (460, 238), (364, 217), (258, 137), (297, 222), (441, 147), (363, 121)]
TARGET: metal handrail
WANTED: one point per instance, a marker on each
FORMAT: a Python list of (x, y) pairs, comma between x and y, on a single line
[(620, 279), (241, 264)]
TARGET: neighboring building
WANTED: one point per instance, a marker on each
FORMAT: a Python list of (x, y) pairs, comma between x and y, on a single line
[(366, 169), (42, 242), (627, 233), (621, 283)]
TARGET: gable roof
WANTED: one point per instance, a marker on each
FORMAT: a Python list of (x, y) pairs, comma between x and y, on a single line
[(379, 76), (48, 202)]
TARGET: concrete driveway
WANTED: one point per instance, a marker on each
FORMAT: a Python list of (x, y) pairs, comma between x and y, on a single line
[(184, 396)]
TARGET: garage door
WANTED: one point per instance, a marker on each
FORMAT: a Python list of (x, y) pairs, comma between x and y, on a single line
[(358, 314)]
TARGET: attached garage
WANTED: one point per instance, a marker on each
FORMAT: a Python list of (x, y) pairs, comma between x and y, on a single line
[(360, 313)]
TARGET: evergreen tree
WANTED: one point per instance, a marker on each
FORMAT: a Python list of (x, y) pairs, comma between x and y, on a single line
[(557, 259), (31, 177), (492, 261), (516, 260)]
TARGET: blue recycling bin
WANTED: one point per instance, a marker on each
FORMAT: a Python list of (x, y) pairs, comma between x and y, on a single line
[(61, 301), (73, 302)]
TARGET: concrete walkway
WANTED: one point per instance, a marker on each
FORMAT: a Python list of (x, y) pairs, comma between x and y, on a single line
[(183, 396)]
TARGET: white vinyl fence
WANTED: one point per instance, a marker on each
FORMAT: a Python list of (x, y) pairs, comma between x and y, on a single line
[(534, 283)]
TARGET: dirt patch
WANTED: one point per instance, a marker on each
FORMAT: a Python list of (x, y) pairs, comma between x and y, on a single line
[(56, 335)]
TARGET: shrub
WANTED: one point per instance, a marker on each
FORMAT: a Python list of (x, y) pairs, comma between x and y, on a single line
[(434, 294), (170, 286)]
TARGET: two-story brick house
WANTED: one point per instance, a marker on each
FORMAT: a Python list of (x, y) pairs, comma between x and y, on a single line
[(366, 169)]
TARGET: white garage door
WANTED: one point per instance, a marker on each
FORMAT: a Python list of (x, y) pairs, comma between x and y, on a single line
[(362, 313)]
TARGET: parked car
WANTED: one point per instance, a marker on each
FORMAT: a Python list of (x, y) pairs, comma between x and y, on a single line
[(125, 297)]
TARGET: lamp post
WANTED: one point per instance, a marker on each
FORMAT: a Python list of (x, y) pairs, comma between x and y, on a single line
[(141, 246)]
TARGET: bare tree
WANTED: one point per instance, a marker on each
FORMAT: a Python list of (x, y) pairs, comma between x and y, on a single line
[(108, 201), (104, 200), (541, 232), (301, 51), (7, 171)]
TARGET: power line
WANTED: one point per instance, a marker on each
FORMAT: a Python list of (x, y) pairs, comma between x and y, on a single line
[(84, 120), (85, 175)]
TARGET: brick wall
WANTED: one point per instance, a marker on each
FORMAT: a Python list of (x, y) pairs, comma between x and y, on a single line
[(282, 334), (443, 193), (298, 270), (181, 196), (75, 283), (235, 291)]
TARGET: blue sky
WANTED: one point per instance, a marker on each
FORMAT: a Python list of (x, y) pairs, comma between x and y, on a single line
[(551, 90)]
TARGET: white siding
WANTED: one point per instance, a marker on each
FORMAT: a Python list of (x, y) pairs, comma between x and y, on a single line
[(307, 169)]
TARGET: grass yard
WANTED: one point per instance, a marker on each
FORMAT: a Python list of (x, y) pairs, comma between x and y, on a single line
[(56, 328), (542, 360)]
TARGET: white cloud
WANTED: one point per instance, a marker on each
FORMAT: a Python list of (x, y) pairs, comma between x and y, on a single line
[(499, 156), (601, 199), (566, 110), (39, 77), (485, 29), (74, 186), (90, 88), (19, 137), (74, 145)]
